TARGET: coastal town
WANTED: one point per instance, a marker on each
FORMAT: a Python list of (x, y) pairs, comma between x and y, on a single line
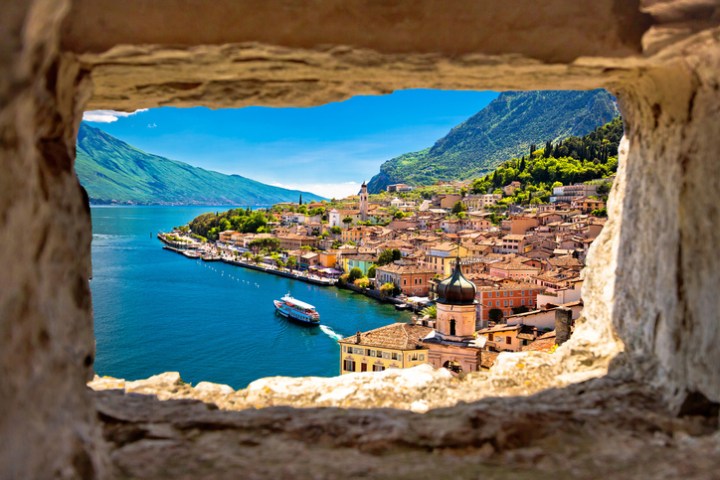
[(481, 274)]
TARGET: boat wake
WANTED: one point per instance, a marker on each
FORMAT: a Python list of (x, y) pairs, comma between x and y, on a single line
[(330, 332)]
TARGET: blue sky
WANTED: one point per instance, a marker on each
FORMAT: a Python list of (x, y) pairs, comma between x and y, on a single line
[(328, 150)]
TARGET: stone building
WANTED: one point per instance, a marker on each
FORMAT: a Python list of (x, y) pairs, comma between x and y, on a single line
[(452, 344), (364, 202), (393, 346)]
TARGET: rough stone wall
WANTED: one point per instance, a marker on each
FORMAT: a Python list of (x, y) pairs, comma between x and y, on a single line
[(653, 274), (668, 272), (47, 425)]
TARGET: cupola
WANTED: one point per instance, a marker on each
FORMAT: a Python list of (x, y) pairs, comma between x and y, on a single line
[(456, 289)]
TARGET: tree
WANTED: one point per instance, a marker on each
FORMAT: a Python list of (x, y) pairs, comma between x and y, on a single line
[(388, 256), (362, 282), (520, 309), (335, 230), (599, 212), (495, 315), (271, 244), (458, 207), (603, 189), (355, 273), (347, 220), (430, 311), (371, 272), (386, 289), (291, 262)]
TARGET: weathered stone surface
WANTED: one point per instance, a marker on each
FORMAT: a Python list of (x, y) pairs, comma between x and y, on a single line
[(417, 389), (47, 426), (651, 283), (598, 429), (598, 28)]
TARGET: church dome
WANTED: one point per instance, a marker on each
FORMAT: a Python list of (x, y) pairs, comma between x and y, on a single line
[(456, 289)]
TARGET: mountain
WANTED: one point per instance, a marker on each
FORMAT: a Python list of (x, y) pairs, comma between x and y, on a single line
[(573, 160), (114, 172), (506, 128)]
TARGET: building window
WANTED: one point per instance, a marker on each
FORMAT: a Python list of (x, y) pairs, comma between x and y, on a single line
[(394, 356), (349, 365), (378, 368), (363, 367), (422, 357), (386, 355), (511, 302), (452, 326), (508, 340), (490, 337)]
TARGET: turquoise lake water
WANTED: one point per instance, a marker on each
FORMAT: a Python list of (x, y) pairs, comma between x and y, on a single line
[(158, 311)]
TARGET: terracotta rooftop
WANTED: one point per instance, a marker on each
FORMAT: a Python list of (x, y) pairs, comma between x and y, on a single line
[(544, 343), (394, 268), (398, 336)]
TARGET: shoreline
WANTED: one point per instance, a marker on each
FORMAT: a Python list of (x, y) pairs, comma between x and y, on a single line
[(319, 281), (295, 275)]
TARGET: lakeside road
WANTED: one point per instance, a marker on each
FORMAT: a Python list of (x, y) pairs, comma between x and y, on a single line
[(223, 257), (218, 254)]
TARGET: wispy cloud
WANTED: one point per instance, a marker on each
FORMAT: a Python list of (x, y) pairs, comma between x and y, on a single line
[(327, 190), (108, 116), (152, 125)]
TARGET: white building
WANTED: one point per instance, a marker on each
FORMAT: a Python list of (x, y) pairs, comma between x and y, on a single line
[(567, 193), (334, 219)]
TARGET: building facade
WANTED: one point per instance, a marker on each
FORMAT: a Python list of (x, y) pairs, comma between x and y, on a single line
[(363, 202), (413, 280), (506, 298), (452, 344), (394, 346)]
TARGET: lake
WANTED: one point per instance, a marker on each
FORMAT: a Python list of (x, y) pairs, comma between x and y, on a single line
[(157, 311)]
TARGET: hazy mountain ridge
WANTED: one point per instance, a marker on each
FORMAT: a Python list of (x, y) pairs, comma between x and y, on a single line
[(115, 172), (504, 129)]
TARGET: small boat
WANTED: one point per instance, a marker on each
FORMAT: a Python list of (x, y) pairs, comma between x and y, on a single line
[(192, 253), (294, 309), (401, 306)]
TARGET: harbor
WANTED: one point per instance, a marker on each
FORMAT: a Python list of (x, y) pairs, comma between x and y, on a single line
[(208, 320), (234, 260)]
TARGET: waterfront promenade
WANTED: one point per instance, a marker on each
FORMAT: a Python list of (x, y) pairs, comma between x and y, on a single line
[(196, 250)]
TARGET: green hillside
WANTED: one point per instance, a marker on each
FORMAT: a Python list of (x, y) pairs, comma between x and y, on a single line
[(504, 129), (573, 160), (114, 172)]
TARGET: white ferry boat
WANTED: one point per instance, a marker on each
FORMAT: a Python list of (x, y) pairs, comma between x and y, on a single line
[(294, 309)]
